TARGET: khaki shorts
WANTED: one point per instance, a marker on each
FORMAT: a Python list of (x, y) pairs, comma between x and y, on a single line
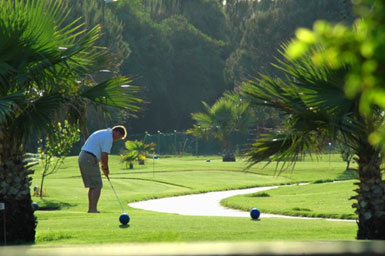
[(89, 168)]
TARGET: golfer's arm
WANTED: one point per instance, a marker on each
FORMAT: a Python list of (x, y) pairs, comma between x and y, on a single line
[(104, 162)]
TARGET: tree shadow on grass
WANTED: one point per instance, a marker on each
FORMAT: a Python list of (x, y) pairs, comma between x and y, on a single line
[(348, 174), (51, 205)]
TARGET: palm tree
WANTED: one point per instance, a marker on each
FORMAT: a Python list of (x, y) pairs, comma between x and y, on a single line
[(44, 75), (316, 110), (229, 114), (136, 150)]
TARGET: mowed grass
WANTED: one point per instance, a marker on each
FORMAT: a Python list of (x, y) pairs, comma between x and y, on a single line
[(327, 200), (62, 218)]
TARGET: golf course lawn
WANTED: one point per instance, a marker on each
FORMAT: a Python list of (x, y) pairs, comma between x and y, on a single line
[(327, 200), (62, 217)]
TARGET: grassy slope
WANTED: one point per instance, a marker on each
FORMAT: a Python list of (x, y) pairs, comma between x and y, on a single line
[(315, 200), (70, 223)]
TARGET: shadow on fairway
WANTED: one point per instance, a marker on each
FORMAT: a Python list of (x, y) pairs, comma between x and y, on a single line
[(348, 174), (47, 205), (124, 226)]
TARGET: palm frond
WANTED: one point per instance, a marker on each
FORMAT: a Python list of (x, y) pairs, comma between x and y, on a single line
[(285, 147), (203, 119), (38, 114), (8, 104), (42, 59), (314, 105), (35, 48), (115, 92)]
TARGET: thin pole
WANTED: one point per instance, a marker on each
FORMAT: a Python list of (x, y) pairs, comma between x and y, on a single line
[(4, 227), (330, 152), (153, 164)]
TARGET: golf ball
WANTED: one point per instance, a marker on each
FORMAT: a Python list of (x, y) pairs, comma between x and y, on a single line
[(124, 218)]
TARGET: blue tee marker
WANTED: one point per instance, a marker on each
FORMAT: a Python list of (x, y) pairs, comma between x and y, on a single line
[(255, 213), (35, 206), (124, 218)]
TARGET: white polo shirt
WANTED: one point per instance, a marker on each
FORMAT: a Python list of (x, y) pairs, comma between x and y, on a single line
[(98, 142)]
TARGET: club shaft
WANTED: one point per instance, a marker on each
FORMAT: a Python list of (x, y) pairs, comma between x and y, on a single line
[(120, 203)]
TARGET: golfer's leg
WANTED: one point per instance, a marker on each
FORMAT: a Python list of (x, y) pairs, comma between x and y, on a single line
[(93, 198)]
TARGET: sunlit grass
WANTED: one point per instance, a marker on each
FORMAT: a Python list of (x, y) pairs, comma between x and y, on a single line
[(63, 218), (328, 200)]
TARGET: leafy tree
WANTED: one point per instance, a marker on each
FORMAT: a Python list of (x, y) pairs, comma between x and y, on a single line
[(270, 24), (112, 30), (206, 15), (347, 154), (175, 62), (228, 115), (150, 61), (100, 12), (136, 151), (316, 108), (57, 146), (238, 13), (197, 66), (44, 74), (360, 47)]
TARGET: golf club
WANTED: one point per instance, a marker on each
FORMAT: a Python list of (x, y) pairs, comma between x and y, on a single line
[(123, 218), (121, 206)]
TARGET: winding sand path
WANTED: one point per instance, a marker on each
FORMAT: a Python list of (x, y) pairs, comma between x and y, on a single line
[(206, 204)]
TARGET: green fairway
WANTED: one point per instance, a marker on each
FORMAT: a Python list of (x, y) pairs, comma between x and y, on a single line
[(76, 227), (328, 200), (63, 219)]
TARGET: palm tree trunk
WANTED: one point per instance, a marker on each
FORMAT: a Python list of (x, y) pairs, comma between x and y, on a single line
[(228, 154), (20, 222), (370, 206)]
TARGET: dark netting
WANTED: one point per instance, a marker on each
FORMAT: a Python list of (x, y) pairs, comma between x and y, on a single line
[(181, 143)]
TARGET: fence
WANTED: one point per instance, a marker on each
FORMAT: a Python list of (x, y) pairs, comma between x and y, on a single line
[(181, 143)]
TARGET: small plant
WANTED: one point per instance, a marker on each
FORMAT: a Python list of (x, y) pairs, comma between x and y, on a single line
[(136, 151), (299, 209), (322, 181), (260, 194), (54, 149)]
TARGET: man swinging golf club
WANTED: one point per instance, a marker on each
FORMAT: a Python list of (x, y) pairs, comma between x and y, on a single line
[(96, 149)]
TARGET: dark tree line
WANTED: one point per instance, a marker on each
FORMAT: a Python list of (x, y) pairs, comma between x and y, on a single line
[(184, 52)]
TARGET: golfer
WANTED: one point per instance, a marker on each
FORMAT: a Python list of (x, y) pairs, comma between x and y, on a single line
[(95, 150)]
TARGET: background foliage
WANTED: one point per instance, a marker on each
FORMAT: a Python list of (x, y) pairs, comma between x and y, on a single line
[(185, 52)]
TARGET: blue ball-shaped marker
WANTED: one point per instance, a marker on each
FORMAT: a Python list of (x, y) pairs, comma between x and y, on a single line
[(35, 206), (255, 213), (124, 218)]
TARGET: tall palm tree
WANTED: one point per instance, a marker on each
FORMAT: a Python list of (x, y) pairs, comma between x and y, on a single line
[(229, 114), (316, 110), (44, 73)]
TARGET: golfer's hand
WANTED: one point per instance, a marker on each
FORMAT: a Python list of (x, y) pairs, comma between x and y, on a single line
[(105, 171)]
